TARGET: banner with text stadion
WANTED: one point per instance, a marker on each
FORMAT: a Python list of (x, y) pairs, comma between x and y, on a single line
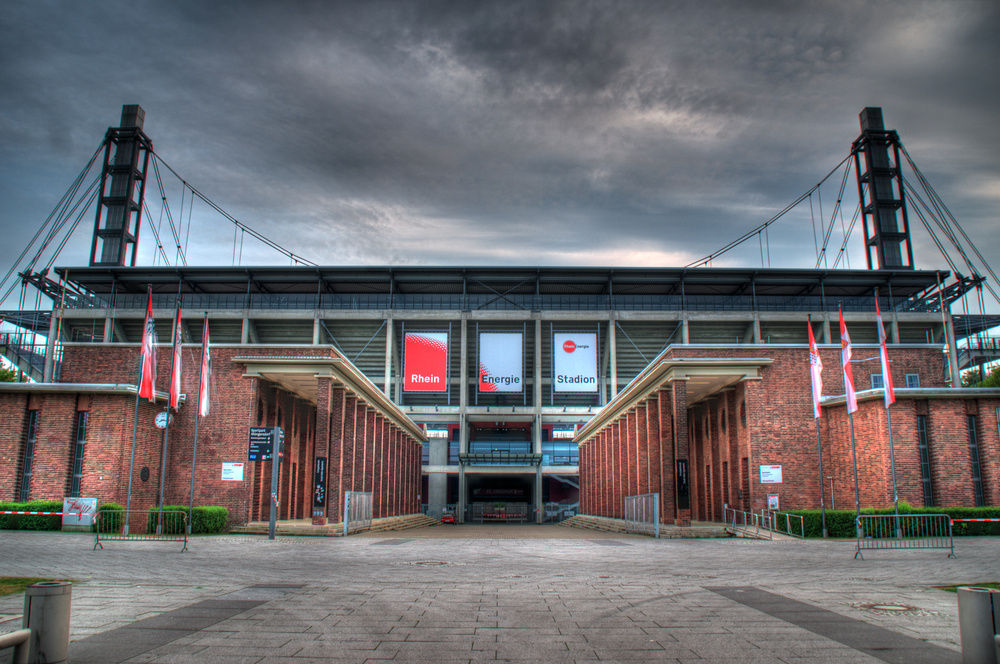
[(575, 362), (425, 362), (500, 364)]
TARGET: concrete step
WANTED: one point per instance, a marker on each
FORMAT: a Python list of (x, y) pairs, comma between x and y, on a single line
[(303, 528), (605, 524)]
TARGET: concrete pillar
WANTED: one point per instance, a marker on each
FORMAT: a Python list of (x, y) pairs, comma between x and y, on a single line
[(613, 354), (437, 483), (389, 336), (335, 474), (685, 331)]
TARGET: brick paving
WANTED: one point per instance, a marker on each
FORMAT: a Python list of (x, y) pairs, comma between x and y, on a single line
[(496, 593)]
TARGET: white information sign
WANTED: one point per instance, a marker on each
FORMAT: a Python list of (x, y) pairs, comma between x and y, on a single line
[(574, 358), (232, 472), (79, 511), (500, 364), (770, 474)]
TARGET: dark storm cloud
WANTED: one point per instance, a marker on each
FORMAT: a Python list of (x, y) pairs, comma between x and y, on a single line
[(501, 132)]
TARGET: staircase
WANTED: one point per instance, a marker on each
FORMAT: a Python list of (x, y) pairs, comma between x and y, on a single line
[(304, 527), (699, 529)]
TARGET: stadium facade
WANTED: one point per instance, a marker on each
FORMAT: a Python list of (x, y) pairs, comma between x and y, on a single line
[(505, 392)]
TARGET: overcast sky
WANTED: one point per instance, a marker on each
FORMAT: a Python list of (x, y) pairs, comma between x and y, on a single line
[(548, 133)]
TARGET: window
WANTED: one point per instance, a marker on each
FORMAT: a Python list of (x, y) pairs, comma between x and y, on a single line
[(977, 478), (723, 418), (913, 380), (76, 472), (29, 456), (877, 383), (925, 459), (743, 413)]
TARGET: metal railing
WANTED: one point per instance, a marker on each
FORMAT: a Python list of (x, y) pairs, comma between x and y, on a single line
[(904, 531), (499, 512), (748, 523), (642, 514), (357, 511), (767, 522), (141, 526), (20, 642), (556, 512)]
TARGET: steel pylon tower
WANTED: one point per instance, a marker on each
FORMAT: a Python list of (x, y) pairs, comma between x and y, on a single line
[(123, 184), (880, 190)]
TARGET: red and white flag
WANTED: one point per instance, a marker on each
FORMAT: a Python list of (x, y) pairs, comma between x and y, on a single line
[(816, 370), (890, 393), (175, 365), (204, 383), (147, 370), (845, 357)]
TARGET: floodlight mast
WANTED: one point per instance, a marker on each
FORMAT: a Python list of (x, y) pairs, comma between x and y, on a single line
[(880, 190), (123, 185)]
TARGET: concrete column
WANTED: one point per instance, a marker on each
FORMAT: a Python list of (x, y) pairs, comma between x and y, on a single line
[(50, 347), (389, 336), (756, 329), (463, 431), (613, 354), (437, 483), (826, 331), (316, 331), (685, 331)]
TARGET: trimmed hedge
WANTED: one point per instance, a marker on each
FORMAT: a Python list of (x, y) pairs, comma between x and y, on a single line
[(30, 521), (840, 523), (112, 522), (205, 520)]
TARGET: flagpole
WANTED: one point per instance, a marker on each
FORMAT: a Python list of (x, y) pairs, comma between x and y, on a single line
[(822, 498), (892, 465), (197, 420), (131, 461), (854, 454)]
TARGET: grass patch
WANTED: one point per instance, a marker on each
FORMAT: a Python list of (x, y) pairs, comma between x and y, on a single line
[(10, 585), (992, 585)]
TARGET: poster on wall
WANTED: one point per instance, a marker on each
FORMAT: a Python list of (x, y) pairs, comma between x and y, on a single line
[(500, 363), (770, 474), (425, 362), (574, 359)]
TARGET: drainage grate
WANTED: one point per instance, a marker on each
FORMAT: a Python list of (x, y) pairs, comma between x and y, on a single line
[(390, 542), (610, 542)]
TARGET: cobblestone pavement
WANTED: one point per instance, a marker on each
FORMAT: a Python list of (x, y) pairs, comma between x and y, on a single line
[(502, 593)]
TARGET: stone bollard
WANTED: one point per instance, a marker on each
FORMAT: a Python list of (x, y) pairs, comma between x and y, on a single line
[(46, 614), (978, 623)]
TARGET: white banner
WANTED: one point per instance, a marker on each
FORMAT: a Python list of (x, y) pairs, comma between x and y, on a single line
[(425, 362), (500, 363), (574, 362)]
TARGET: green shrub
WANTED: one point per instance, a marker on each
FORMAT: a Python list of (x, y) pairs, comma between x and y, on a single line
[(840, 523), (31, 521), (206, 519), (113, 520)]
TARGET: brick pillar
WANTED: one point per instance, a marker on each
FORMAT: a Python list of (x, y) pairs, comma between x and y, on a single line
[(620, 470), (631, 456), (642, 449), (370, 453), (681, 450), (667, 466), (378, 468), (608, 470), (335, 462), (654, 479), (349, 452), (322, 445)]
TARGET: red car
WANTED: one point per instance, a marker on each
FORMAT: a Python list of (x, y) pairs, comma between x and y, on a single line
[(447, 517)]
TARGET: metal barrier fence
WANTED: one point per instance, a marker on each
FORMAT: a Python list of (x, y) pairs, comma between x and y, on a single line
[(142, 526), (904, 531), (499, 512), (642, 514), (357, 511)]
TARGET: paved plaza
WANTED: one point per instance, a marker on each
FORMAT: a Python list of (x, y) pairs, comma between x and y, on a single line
[(499, 593)]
